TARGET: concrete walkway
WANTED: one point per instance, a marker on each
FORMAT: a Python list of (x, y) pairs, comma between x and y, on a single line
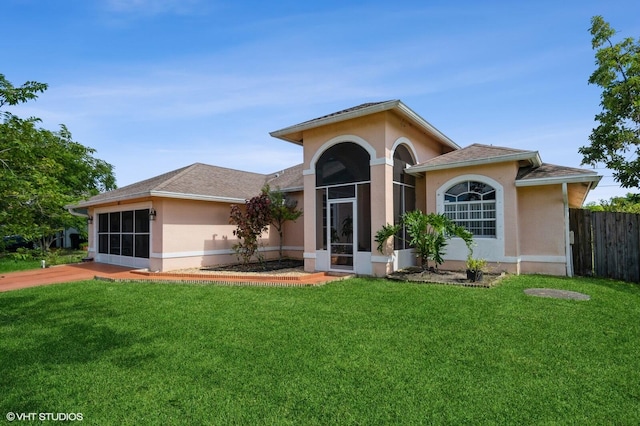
[(89, 271)]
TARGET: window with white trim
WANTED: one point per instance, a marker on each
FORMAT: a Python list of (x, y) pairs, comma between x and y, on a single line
[(472, 204)]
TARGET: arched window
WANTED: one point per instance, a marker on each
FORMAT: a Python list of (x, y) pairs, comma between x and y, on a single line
[(404, 192), (472, 204), (345, 162)]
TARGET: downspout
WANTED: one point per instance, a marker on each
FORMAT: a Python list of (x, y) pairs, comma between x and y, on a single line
[(567, 234)]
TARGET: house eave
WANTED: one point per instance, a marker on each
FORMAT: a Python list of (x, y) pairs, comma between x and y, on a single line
[(197, 197), (287, 133), (89, 203), (592, 180), (533, 157), (159, 194)]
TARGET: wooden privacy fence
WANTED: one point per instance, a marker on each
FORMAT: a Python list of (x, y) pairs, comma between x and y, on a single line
[(606, 244)]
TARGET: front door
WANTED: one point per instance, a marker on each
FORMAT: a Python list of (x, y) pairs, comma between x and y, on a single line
[(341, 231)]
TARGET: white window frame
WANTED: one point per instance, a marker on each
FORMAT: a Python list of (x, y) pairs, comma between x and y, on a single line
[(491, 249), (468, 208)]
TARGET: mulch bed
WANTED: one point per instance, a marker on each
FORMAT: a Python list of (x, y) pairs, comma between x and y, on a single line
[(268, 266), (417, 275)]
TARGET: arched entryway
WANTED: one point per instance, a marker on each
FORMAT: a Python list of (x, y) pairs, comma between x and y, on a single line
[(343, 205)]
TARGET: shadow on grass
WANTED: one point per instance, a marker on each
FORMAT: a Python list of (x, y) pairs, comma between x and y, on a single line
[(39, 336), (617, 285)]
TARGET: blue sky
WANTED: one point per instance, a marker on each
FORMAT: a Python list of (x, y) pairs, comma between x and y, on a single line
[(154, 85)]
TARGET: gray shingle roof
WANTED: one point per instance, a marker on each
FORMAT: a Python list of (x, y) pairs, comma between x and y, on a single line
[(203, 181), (546, 171), (344, 111), (475, 154), (532, 172)]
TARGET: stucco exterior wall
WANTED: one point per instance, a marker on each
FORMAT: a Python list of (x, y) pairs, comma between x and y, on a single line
[(293, 237), (198, 233), (379, 134), (542, 229), (504, 248), (398, 130), (192, 234), (530, 222), (369, 132)]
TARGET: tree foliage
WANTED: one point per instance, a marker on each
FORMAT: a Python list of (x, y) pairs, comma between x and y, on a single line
[(41, 171), (11, 95), (250, 223), (429, 234), (283, 210), (628, 204), (616, 140)]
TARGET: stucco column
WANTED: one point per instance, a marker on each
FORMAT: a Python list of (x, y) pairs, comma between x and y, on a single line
[(381, 214), (309, 217)]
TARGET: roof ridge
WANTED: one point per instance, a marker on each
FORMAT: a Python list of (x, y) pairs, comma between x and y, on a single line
[(149, 179), (353, 108), (176, 176), (498, 147)]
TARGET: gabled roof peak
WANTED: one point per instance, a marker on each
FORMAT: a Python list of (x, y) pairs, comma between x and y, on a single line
[(295, 133)]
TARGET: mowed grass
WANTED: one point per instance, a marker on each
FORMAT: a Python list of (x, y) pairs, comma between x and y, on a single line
[(360, 351)]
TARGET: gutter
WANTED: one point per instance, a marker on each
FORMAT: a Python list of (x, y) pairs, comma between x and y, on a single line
[(592, 179), (160, 194), (567, 232), (73, 211)]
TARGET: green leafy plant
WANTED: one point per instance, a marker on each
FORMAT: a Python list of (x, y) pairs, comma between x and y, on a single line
[(476, 264), (282, 210), (429, 234), (382, 236)]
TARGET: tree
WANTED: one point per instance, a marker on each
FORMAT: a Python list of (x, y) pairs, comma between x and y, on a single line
[(428, 234), (628, 204), (250, 224), (41, 171), (11, 95), (616, 140), (283, 210)]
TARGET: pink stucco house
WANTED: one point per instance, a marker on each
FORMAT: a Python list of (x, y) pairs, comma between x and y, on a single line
[(362, 168)]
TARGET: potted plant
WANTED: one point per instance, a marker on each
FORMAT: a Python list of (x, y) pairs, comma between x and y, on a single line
[(475, 268)]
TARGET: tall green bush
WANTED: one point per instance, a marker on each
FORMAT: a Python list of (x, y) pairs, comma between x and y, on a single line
[(429, 234)]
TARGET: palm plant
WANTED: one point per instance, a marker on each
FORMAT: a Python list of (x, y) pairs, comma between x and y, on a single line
[(429, 234)]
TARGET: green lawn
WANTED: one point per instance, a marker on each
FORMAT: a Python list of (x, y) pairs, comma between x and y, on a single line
[(360, 351)]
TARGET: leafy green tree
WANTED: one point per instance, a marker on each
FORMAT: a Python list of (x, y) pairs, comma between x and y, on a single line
[(11, 95), (616, 140), (283, 210), (628, 204), (41, 171), (429, 234), (250, 223)]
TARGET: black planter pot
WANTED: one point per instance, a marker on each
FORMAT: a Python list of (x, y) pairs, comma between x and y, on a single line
[(474, 276)]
